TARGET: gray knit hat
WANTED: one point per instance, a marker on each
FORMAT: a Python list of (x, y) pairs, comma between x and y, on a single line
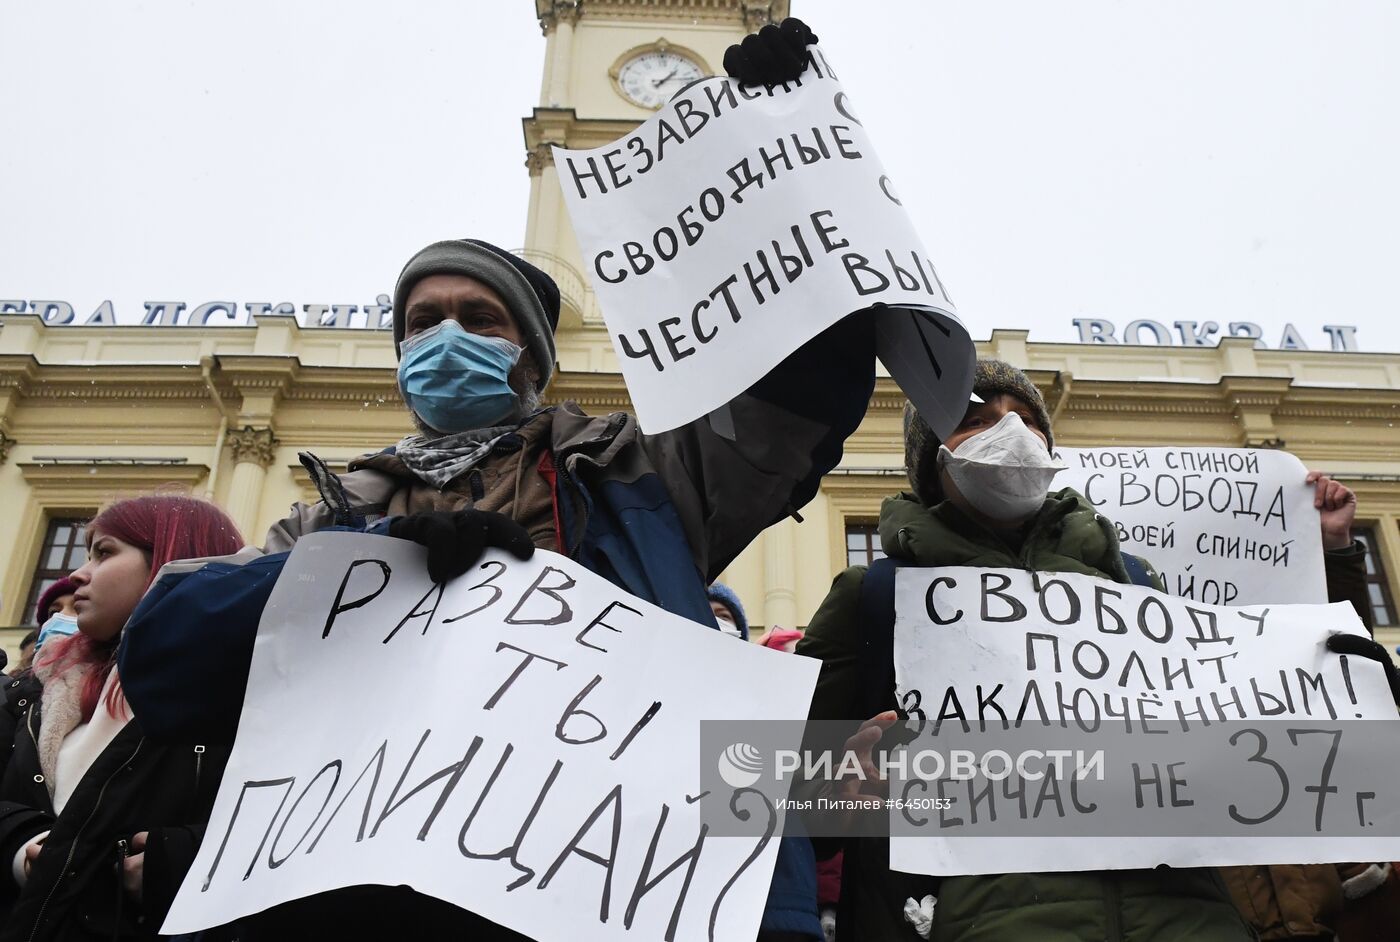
[(530, 294), (993, 378)]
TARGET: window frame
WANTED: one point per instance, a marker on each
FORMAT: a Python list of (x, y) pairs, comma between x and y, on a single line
[(42, 575), (1383, 613), (869, 530)]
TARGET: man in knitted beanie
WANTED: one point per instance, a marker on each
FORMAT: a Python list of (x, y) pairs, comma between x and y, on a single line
[(659, 516), (490, 465), (488, 293)]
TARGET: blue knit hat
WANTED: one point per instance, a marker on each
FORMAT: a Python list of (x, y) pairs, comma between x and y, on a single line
[(721, 593)]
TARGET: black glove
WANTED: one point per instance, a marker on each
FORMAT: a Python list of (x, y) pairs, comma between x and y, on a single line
[(771, 56), (456, 539), (1368, 648)]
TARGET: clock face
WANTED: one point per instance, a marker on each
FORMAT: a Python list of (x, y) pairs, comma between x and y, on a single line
[(650, 79)]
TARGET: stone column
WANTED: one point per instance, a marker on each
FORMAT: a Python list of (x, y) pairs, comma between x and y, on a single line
[(562, 59), (780, 574), (253, 450)]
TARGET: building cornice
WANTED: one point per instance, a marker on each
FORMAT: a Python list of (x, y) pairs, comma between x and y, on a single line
[(93, 483), (551, 13), (751, 13), (298, 382), (562, 127)]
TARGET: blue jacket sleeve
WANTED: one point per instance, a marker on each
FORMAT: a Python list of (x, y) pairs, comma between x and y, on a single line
[(185, 653)]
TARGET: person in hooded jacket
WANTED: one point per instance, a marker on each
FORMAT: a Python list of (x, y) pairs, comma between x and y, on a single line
[(728, 610), (980, 499), (98, 825)]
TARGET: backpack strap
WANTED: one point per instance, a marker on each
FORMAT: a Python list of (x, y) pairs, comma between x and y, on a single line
[(877, 692), (332, 491), (876, 619), (1137, 572)]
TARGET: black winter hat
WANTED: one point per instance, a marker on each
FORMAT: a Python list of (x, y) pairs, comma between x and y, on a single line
[(992, 378)]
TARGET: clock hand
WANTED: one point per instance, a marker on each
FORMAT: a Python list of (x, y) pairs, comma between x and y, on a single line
[(659, 82)]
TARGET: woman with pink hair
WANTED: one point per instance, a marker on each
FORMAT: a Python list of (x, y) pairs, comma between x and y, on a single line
[(97, 825)]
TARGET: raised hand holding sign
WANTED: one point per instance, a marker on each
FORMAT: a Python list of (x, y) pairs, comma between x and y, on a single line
[(773, 55), (741, 221)]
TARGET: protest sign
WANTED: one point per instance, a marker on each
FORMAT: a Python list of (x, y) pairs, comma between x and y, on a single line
[(1232, 526), (528, 753), (1188, 734), (739, 222)]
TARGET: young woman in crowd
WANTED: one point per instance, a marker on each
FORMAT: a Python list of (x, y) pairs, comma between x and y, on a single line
[(97, 825)]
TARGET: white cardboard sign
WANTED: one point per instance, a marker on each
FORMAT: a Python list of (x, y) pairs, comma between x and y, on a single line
[(566, 715), (1247, 696), (1233, 526), (736, 224)]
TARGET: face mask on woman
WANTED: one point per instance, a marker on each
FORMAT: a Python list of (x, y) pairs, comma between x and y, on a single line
[(1003, 472), (59, 625), (457, 381), (727, 626)]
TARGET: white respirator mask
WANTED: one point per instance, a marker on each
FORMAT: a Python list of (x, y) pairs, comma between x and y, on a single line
[(1003, 472), (728, 627)]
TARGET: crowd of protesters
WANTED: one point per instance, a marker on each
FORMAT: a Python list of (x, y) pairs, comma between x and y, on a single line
[(122, 714)]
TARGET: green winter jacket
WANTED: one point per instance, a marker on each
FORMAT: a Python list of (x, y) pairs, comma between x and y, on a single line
[(1161, 905)]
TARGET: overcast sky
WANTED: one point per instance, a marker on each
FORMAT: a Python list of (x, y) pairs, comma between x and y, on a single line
[(1202, 159)]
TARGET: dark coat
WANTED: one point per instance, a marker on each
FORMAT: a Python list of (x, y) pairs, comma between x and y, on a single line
[(74, 889), (1067, 535)]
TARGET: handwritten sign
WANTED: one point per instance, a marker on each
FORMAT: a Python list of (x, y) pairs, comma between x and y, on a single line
[(1232, 526), (738, 223), (529, 752), (1187, 734)]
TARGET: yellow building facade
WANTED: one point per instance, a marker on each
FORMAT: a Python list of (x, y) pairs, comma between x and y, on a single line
[(224, 411), (92, 413)]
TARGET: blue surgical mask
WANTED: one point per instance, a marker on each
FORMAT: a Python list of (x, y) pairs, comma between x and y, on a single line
[(59, 625), (458, 381)]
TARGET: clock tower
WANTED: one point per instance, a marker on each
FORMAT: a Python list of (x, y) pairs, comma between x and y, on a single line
[(608, 65)]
